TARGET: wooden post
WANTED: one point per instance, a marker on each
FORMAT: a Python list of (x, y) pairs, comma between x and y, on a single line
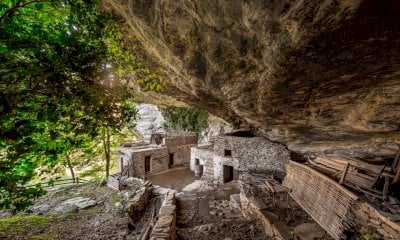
[(396, 161), (345, 169), (386, 188), (396, 178), (77, 180)]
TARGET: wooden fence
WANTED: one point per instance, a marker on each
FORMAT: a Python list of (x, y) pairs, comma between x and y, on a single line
[(326, 201), (60, 182)]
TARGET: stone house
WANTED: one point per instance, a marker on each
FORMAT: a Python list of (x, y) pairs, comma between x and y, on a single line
[(236, 152), (163, 152)]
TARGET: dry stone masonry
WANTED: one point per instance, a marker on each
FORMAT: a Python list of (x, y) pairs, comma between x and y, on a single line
[(165, 226), (233, 154), (380, 225), (164, 152)]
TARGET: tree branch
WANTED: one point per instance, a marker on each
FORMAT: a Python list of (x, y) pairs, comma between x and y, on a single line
[(11, 11)]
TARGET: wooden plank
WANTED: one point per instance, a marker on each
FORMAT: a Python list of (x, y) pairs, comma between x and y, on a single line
[(362, 182), (339, 167), (359, 176), (395, 164), (386, 188), (366, 166), (396, 178), (270, 187), (343, 178)]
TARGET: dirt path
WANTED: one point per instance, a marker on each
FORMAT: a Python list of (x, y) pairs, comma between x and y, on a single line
[(175, 178)]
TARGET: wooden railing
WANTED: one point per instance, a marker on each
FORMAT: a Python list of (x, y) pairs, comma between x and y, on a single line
[(59, 182)]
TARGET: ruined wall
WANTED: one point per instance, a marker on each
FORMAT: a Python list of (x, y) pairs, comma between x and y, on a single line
[(165, 227), (371, 221), (249, 208), (247, 153), (205, 155), (125, 158)]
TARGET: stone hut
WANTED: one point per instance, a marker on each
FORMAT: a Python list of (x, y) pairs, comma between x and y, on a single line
[(163, 152), (236, 152)]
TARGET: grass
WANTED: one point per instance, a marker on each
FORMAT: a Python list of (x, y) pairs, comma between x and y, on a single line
[(19, 225), (366, 237)]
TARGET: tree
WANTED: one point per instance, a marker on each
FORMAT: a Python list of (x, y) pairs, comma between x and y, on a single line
[(59, 66)]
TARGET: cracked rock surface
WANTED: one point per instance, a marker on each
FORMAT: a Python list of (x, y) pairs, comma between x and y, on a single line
[(321, 76)]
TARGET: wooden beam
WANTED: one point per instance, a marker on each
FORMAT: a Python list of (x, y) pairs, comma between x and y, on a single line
[(270, 186), (378, 176), (339, 162), (395, 164), (396, 178), (345, 169), (386, 188)]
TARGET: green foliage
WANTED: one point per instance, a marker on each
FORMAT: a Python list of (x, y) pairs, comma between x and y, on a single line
[(64, 76), (188, 119), (366, 236)]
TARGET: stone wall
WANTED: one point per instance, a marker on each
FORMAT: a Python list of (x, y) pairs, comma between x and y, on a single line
[(376, 223), (165, 226), (180, 146), (247, 153), (250, 208), (205, 156), (132, 156), (139, 199), (134, 160), (125, 158)]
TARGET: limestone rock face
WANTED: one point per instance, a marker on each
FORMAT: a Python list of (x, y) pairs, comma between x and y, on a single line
[(318, 75), (150, 120)]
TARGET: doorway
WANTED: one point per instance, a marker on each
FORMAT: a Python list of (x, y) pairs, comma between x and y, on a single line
[(228, 173), (171, 160), (147, 160)]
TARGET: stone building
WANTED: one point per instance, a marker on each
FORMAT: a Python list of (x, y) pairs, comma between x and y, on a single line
[(236, 152), (163, 152)]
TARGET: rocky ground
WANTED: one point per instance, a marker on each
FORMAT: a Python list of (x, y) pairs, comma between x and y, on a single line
[(210, 215), (88, 211), (92, 211)]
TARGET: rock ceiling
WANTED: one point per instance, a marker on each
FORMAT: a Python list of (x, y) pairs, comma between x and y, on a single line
[(317, 75)]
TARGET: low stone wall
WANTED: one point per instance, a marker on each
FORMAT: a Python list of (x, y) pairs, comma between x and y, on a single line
[(165, 226), (140, 199), (378, 224), (250, 208)]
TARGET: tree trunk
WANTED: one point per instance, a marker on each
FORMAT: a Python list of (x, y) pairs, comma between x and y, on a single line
[(107, 151), (70, 167)]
